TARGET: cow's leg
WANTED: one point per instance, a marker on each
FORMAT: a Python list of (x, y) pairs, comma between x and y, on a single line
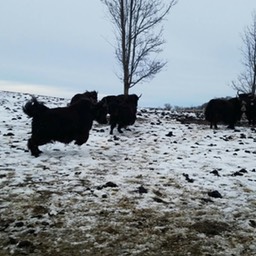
[(33, 147), (213, 125), (82, 139), (231, 126), (253, 121), (119, 128), (112, 126)]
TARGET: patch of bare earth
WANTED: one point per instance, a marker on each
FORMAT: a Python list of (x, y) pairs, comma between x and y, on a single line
[(40, 224)]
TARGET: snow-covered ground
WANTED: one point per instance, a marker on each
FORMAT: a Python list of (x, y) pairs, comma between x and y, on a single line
[(163, 187)]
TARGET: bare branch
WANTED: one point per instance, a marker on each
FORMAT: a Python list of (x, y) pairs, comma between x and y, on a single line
[(138, 37), (246, 80)]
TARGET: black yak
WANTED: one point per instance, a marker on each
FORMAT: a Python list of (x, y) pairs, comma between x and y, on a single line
[(122, 110), (222, 110), (63, 124)]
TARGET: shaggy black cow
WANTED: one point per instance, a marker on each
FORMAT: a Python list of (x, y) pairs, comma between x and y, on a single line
[(250, 102), (92, 95), (222, 110), (122, 110), (63, 124)]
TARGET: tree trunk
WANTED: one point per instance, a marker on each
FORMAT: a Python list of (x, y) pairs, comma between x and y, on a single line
[(126, 89), (125, 59), (254, 84)]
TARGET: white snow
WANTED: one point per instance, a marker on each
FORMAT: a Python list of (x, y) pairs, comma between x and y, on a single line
[(70, 179)]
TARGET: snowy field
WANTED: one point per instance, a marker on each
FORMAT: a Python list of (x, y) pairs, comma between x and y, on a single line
[(163, 187)]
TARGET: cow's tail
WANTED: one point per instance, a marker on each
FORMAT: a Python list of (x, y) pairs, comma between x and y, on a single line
[(209, 111), (33, 107)]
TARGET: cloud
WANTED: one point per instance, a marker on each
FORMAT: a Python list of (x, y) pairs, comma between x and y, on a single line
[(63, 46)]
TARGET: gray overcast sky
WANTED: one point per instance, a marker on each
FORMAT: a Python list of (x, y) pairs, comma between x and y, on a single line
[(62, 47)]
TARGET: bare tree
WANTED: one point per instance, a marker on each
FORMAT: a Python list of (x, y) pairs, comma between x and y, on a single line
[(139, 37), (246, 80)]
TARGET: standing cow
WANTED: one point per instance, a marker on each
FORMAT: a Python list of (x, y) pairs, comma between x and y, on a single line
[(222, 110), (63, 124), (122, 110)]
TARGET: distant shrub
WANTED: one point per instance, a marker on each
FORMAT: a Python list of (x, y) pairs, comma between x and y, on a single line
[(167, 106)]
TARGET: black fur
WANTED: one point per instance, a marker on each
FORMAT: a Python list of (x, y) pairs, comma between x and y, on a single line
[(122, 110), (223, 110), (63, 124)]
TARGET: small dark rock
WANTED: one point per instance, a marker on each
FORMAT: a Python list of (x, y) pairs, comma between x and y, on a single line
[(142, 190), (252, 223), (37, 216), (45, 223), (187, 178), (19, 224), (243, 171), (242, 136), (237, 174), (215, 172), (157, 193), (8, 134), (170, 134), (115, 137), (240, 173), (31, 231), (207, 200), (159, 200), (110, 185), (215, 194)]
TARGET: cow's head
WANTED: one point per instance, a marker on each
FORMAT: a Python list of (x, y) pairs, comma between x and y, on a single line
[(100, 112), (248, 100), (92, 95), (243, 106)]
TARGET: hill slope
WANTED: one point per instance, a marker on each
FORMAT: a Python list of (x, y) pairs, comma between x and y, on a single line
[(160, 188)]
